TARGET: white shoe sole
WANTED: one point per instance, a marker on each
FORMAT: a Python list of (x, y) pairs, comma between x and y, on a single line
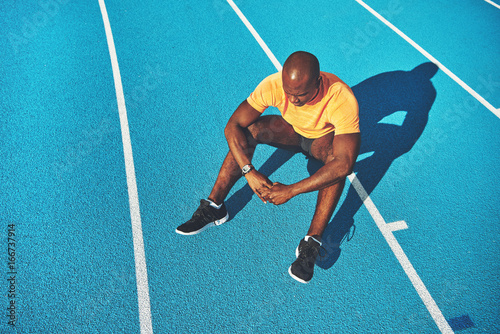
[(295, 277)]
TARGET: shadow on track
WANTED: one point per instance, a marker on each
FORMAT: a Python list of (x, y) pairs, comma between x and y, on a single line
[(405, 92)]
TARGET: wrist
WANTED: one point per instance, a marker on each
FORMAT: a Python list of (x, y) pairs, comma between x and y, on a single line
[(293, 190)]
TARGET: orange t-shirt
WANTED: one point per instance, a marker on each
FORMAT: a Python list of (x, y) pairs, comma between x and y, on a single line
[(334, 108)]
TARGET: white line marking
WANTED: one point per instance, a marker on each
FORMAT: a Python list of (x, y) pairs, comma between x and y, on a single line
[(492, 3), (139, 254), (432, 59), (385, 229), (257, 37), (396, 226), (402, 258)]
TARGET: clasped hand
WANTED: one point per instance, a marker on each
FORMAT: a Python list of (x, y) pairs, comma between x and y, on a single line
[(275, 193)]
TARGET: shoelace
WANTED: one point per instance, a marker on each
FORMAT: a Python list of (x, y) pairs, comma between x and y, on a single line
[(201, 212)]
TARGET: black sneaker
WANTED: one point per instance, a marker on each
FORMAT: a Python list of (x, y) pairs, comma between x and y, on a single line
[(205, 216), (302, 269)]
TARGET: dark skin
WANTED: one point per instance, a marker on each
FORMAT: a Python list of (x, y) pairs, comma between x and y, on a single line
[(247, 128)]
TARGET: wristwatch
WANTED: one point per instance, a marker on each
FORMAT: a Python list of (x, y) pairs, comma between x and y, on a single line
[(246, 169)]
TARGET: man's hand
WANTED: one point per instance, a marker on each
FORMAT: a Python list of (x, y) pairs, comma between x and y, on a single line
[(259, 183), (278, 194)]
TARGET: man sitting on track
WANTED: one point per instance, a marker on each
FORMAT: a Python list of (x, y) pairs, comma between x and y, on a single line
[(319, 117)]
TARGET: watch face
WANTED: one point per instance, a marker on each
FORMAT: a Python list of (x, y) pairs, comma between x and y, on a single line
[(246, 169)]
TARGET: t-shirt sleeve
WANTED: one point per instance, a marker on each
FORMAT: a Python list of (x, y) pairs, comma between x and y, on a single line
[(264, 95), (345, 117)]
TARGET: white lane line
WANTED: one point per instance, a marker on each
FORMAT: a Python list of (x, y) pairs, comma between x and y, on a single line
[(432, 59), (257, 37), (492, 3), (385, 229), (135, 215)]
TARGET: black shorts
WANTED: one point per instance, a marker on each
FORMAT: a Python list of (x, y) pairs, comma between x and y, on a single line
[(305, 145)]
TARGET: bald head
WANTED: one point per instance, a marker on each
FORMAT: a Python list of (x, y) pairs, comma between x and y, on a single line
[(301, 77), (301, 66)]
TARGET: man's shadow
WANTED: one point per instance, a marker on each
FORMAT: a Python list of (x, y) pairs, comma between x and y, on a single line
[(407, 96)]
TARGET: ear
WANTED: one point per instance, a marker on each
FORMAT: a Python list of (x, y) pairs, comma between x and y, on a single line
[(318, 82)]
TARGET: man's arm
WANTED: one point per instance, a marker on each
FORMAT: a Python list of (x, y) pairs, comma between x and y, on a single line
[(345, 151), (244, 116), (236, 136)]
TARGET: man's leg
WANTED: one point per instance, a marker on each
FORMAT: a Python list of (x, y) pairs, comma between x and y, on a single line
[(328, 198), (272, 130), (229, 173), (302, 269)]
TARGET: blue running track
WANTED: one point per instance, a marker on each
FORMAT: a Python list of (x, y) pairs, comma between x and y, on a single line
[(425, 254)]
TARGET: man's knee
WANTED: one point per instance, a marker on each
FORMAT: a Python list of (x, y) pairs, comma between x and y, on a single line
[(258, 133), (322, 148), (269, 129)]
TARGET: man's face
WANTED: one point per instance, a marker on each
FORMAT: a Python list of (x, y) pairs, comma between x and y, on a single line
[(300, 92)]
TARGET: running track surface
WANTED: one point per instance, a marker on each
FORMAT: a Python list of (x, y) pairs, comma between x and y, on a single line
[(429, 159)]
